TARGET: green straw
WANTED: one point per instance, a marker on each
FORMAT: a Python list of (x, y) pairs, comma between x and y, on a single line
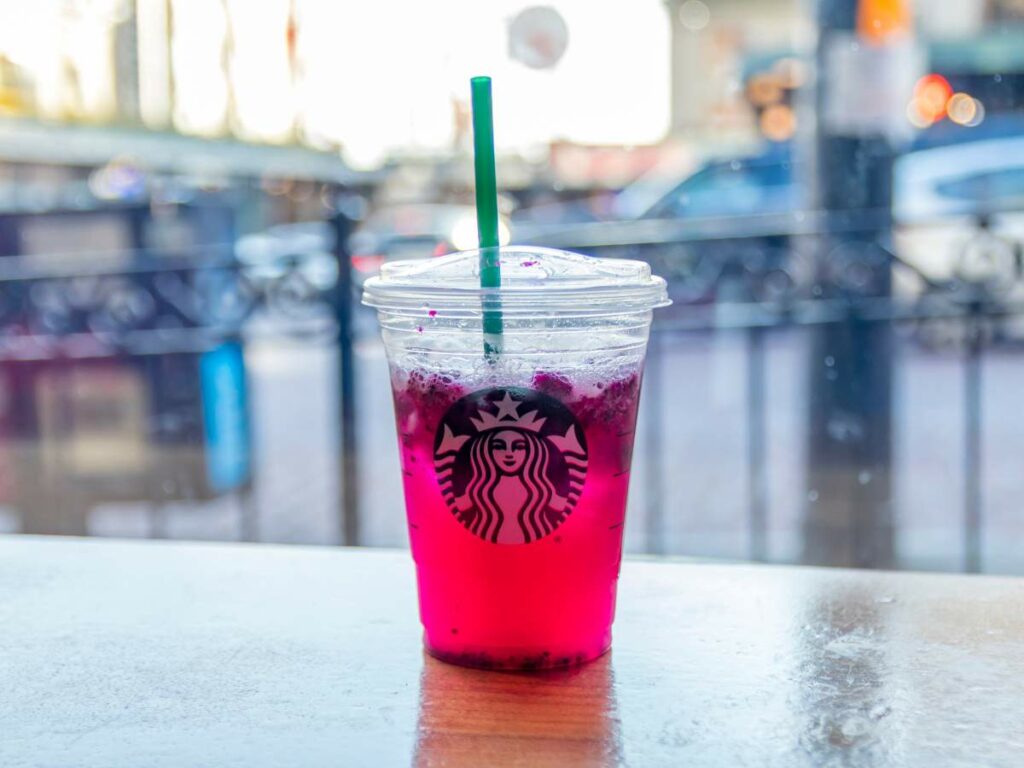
[(487, 210)]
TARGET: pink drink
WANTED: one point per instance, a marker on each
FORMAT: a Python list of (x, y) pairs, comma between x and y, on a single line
[(517, 593), (516, 462)]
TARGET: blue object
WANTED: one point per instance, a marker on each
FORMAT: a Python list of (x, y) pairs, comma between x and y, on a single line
[(225, 417)]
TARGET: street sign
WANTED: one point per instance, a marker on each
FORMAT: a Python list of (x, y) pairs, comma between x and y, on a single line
[(869, 86)]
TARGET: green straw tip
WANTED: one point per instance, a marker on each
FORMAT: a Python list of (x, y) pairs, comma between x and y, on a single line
[(487, 211), (484, 167)]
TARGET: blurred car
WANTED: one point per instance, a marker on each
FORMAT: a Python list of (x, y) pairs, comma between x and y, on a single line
[(579, 210), (414, 231), (962, 210), (744, 186), (966, 179), (928, 179), (939, 196)]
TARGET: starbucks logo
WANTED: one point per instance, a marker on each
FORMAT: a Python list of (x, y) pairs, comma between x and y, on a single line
[(510, 463)]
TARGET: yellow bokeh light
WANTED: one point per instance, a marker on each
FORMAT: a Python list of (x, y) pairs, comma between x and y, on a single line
[(915, 115), (962, 109), (932, 99), (778, 122), (764, 89)]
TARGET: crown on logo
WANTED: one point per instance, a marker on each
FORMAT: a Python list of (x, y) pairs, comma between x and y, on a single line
[(508, 416)]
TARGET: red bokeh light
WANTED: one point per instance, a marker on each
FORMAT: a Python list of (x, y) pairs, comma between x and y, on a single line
[(931, 95)]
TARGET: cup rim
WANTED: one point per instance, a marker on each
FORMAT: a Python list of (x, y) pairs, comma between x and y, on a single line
[(565, 284)]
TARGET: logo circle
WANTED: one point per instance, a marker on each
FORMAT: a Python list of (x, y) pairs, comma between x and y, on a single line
[(511, 463)]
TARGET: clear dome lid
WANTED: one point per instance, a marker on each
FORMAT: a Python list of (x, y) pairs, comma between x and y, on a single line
[(533, 280)]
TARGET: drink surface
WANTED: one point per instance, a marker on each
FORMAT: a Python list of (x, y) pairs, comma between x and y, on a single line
[(515, 498)]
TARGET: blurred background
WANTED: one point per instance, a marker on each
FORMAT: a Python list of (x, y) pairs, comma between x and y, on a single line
[(192, 193)]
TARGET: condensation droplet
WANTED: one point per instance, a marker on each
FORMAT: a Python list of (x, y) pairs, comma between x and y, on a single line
[(844, 427), (830, 361), (864, 477), (812, 495)]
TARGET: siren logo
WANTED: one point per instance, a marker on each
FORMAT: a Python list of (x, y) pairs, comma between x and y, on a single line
[(511, 463)]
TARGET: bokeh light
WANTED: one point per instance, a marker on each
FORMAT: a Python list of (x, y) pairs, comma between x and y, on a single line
[(964, 109), (879, 21), (778, 122), (764, 90), (914, 116), (694, 15), (931, 95)]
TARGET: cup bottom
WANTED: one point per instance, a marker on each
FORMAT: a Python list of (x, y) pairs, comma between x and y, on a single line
[(517, 661)]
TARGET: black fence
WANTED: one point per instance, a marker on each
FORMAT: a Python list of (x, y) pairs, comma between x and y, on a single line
[(122, 372), (820, 272), (168, 311)]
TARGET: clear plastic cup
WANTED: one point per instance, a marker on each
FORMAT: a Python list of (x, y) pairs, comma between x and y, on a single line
[(516, 465)]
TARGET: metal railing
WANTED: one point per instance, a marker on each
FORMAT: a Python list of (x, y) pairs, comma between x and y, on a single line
[(767, 274), (755, 277), (151, 314)]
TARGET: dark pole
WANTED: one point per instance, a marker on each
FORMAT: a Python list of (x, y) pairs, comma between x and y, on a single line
[(654, 449), (848, 514), (972, 441), (348, 501), (757, 430)]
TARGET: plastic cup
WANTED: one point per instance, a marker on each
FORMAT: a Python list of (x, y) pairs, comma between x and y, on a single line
[(516, 467)]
